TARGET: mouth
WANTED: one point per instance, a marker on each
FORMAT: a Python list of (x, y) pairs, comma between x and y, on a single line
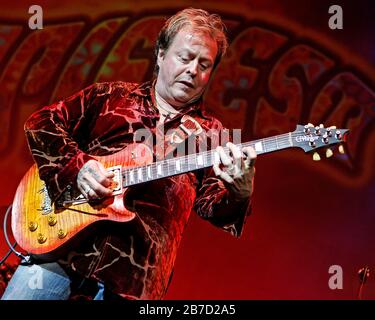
[(187, 83)]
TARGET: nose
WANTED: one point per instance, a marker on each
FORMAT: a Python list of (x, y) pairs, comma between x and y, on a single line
[(193, 67)]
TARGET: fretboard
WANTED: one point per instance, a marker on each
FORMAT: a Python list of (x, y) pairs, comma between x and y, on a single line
[(178, 165)]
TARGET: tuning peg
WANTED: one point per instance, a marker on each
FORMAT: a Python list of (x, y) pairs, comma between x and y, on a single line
[(341, 149), (329, 153), (332, 128), (317, 130), (321, 126), (329, 132), (316, 156), (310, 125), (338, 135)]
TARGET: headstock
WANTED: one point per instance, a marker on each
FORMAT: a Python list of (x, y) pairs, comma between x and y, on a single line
[(311, 138)]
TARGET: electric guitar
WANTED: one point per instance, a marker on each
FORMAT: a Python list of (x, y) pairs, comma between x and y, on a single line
[(41, 227)]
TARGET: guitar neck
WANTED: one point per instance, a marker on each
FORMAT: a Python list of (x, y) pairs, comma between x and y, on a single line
[(178, 165)]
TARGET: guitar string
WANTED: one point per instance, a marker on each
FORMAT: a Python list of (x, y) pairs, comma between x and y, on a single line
[(279, 142), (191, 160)]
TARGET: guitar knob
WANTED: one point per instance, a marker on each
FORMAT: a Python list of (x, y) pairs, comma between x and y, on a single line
[(41, 238), (338, 135), (329, 153), (52, 220), (316, 156), (33, 226), (61, 234), (307, 129), (325, 138), (317, 130)]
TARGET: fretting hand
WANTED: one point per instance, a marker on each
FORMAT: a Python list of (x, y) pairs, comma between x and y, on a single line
[(236, 170)]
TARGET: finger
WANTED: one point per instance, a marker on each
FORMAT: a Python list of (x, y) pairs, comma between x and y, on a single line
[(99, 175), (216, 169), (86, 190), (104, 171), (221, 174), (224, 158), (83, 191), (98, 189), (83, 172), (106, 176), (91, 194), (236, 155), (226, 177), (251, 156)]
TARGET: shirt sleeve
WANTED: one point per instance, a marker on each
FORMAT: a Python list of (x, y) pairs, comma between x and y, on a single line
[(214, 202), (55, 134)]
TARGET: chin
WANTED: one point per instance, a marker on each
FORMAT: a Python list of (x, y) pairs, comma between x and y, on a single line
[(186, 99), (183, 98)]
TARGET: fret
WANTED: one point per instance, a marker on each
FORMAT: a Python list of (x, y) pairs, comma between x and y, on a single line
[(200, 160), (171, 165), (159, 169), (149, 172), (206, 160), (265, 147), (185, 165), (131, 176), (290, 139), (193, 162), (271, 145), (178, 165), (216, 158), (125, 178), (140, 175), (277, 145), (258, 146), (284, 144), (166, 167)]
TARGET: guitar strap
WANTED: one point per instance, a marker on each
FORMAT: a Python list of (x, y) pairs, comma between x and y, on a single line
[(189, 127)]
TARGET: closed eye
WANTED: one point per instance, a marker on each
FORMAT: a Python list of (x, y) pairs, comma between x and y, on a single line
[(183, 59), (204, 66)]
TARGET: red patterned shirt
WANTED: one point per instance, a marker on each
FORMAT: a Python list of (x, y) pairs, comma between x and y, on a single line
[(133, 259)]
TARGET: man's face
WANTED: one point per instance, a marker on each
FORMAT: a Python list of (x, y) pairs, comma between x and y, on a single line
[(185, 68)]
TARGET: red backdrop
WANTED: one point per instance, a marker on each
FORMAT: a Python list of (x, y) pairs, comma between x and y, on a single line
[(285, 66)]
